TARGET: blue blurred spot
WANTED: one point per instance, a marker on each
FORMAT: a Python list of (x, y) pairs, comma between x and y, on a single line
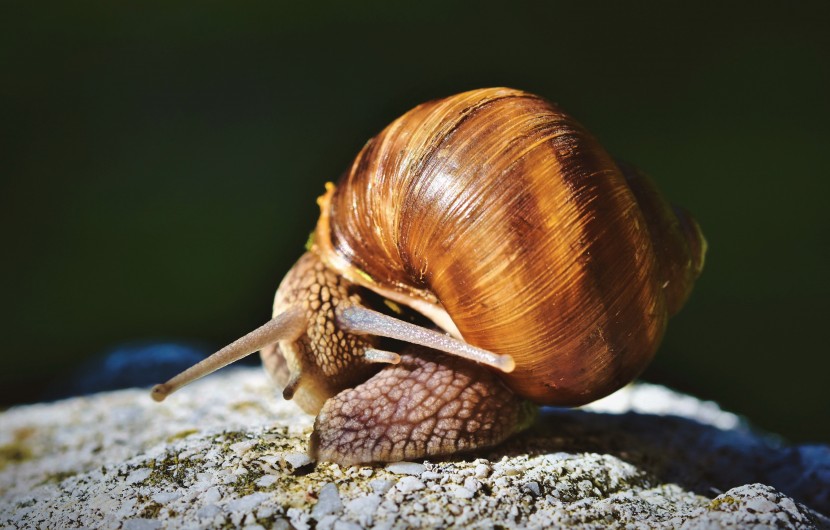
[(139, 364)]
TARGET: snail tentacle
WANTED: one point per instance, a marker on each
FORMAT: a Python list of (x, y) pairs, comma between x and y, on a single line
[(360, 320), (294, 380), (285, 326), (373, 355), (430, 404)]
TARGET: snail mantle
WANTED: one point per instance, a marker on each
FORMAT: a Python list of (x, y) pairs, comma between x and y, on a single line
[(230, 454)]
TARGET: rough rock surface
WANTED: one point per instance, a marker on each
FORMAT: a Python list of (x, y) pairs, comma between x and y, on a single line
[(228, 452)]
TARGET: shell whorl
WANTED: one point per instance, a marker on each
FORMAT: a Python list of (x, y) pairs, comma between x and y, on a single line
[(497, 207)]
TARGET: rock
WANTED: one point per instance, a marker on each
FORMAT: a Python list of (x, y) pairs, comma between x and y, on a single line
[(328, 502), (410, 484), (750, 506), (297, 460), (228, 451), (406, 468)]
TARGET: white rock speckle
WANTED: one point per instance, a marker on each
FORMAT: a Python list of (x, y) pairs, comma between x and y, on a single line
[(431, 475), (243, 447), (212, 495), (328, 502), (409, 484), (533, 488), (247, 503), (406, 468), (208, 511), (139, 475), (266, 480), (364, 508), (460, 492), (163, 497), (381, 486), (141, 524), (346, 525), (296, 460)]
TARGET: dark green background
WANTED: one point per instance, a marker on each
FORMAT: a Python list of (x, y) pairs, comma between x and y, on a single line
[(160, 163)]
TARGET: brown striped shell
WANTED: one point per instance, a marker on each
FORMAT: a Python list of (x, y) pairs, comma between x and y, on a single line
[(497, 215)]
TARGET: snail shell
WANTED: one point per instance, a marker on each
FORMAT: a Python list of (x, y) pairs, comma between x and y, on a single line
[(500, 217)]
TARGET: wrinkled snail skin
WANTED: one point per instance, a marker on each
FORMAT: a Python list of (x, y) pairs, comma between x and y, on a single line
[(431, 404), (328, 358), (551, 267)]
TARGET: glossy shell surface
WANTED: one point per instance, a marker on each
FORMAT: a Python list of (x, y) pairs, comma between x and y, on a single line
[(498, 208)]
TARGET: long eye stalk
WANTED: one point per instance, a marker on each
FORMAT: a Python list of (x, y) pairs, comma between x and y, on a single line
[(285, 326), (362, 321)]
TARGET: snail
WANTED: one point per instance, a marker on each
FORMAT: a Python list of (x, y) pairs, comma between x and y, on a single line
[(545, 270)]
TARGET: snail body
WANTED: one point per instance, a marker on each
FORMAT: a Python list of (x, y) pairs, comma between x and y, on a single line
[(497, 216)]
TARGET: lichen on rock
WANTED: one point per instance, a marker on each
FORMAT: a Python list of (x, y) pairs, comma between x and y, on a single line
[(228, 452)]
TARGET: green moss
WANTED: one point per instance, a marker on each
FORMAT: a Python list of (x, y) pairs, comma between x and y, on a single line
[(182, 434), (169, 470), (246, 405), (151, 510), (231, 437), (717, 503), (14, 453), (246, 484), (271, 522), (17, 451)]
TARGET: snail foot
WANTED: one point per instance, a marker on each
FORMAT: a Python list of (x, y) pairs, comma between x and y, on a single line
[(430, 404)]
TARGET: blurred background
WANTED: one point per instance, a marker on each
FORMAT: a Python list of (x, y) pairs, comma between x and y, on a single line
[(160, 163)]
